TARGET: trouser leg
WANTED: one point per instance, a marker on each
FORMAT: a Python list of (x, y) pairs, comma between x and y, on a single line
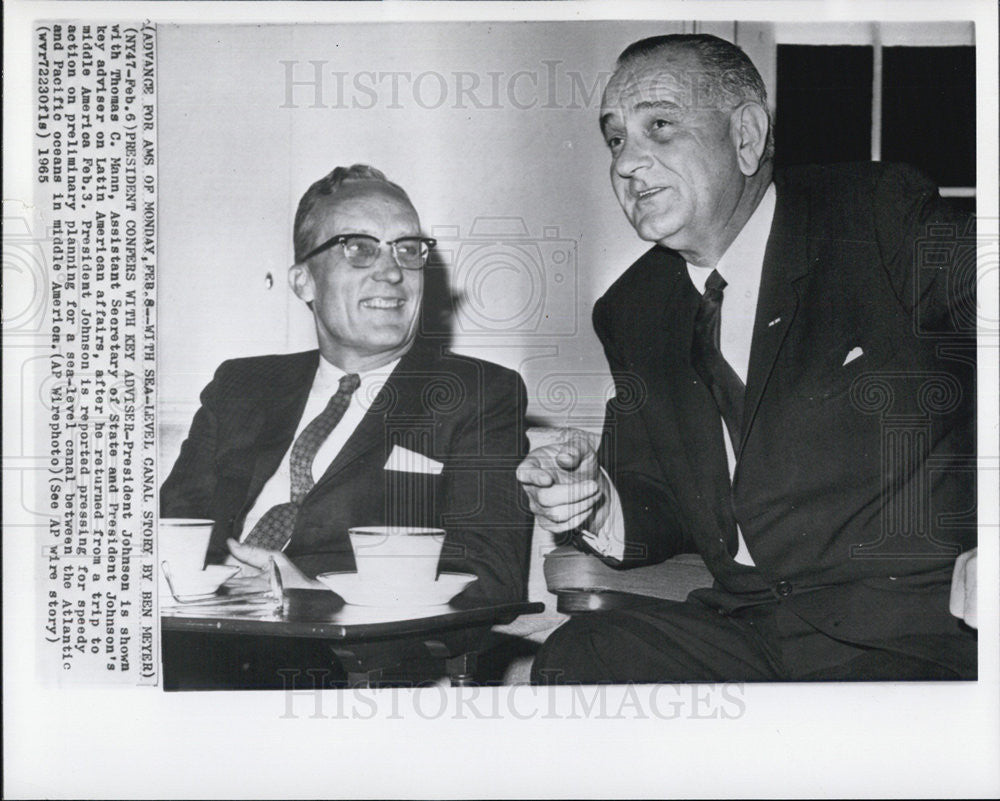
[(663, 641)]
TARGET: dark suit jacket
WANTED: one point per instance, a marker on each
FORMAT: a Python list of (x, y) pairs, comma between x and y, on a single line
[(463, 412), (855, 484)]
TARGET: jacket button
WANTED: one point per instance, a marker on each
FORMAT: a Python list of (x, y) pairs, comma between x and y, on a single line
[(783, 588)]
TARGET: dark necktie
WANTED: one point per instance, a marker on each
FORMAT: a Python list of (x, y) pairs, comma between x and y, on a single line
[(274, 529), (708, 361)]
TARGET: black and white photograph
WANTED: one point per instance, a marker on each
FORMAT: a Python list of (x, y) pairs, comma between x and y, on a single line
[(501, 399)]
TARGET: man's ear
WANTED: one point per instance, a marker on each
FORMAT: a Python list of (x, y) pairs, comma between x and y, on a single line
[(301, 281), (748, 128)]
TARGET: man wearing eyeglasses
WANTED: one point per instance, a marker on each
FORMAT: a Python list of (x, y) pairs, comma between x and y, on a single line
[(288, 452)]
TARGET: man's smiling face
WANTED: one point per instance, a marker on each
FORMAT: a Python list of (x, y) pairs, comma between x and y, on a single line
[(365, 317), (674, 161)]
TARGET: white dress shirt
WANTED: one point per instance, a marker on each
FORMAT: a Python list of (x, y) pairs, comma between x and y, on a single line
[(741, 267), (278, 488)]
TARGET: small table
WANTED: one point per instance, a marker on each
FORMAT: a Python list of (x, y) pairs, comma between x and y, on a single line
[(365, 640)]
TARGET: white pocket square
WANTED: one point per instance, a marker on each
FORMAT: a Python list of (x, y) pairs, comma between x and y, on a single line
[(854, 354), (406, 461)]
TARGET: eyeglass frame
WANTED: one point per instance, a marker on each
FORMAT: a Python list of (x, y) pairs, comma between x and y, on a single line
[(340, 239)]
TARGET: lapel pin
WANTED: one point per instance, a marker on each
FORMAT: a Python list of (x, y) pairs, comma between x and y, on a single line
[(775, 321)]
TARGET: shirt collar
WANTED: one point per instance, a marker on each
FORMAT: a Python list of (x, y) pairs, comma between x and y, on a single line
[(743, 260), (328, 377)]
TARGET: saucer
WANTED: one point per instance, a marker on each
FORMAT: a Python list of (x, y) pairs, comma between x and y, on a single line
[(361, 593), (204, 583)]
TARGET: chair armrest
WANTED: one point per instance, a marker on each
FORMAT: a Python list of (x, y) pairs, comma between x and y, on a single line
[(583, 583)]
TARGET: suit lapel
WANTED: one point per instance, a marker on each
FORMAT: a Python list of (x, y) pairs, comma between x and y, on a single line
[(785, 262), (281, 410), (398, 398)]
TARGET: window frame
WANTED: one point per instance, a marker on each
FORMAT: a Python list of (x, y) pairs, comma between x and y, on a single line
[(878, 35)]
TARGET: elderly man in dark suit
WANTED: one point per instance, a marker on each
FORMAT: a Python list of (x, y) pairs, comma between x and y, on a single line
[(795, 369), (288, 452)]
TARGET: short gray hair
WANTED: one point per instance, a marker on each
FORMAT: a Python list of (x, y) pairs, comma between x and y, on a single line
[(324, 187), (732, 77)]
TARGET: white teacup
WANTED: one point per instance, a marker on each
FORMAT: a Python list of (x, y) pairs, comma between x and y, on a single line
[(183, 543), (396, 554)]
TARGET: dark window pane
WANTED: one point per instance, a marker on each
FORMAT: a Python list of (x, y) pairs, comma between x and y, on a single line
[(966, 204), (824, 106), (929, 111)]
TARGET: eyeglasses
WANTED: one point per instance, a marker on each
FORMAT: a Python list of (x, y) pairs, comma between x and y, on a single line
[(362, 250)]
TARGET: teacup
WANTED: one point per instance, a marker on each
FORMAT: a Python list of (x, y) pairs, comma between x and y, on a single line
[(183, 543), (396, 554), (203, 582)]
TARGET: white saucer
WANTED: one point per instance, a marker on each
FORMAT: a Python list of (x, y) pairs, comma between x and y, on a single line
[(360, 593), (204, 583)]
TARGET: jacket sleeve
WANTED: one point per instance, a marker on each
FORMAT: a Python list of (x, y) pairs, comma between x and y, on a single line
[(190, 487), (653, 527), (928, 248), (484, 511)]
